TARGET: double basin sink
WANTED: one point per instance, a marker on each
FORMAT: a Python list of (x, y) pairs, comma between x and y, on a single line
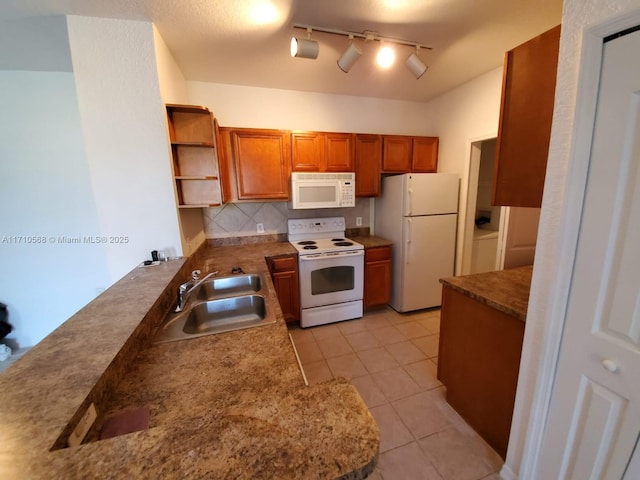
[(217, 305)]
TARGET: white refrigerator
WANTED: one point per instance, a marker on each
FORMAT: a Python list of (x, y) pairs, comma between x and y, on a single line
[(418, 213)]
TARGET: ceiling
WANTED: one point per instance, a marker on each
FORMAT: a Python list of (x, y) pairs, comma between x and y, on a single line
[(222, 41)]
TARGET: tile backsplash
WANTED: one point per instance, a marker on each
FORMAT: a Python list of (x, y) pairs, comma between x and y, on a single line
[(241, 219)]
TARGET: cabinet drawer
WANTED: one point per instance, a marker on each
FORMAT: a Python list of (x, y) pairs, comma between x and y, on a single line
[(377, 254), (284, 264)]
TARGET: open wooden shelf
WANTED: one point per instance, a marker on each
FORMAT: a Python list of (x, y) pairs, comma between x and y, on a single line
[(194, 153)]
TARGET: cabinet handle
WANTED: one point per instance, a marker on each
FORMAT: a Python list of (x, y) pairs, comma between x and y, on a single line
[(610, 365)]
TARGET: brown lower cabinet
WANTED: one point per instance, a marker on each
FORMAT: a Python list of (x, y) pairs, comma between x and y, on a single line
[(478, 362), (284, 274), (377, 276)]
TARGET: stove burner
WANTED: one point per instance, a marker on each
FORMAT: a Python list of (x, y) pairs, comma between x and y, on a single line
[(307, 242), (310, 247), (343, 244), (337, 239)]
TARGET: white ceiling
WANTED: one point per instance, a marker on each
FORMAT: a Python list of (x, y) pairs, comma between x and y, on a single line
[(219, 40)]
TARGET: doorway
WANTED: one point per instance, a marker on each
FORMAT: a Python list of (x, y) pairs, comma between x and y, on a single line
[(482, 220), (494, 237)]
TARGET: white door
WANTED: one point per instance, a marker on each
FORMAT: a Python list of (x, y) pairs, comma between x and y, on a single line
[(519, 230), (594, 417)]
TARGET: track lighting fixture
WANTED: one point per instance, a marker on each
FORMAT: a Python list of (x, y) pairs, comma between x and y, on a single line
[(304, 47), (350, 56), (307, 48), (415, 65)]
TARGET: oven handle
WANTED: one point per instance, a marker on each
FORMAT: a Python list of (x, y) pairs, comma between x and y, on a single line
[(330, 256)]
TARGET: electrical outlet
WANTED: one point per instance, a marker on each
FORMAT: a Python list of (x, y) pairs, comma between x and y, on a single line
[(83, 426), (358, 221), (260, 227)]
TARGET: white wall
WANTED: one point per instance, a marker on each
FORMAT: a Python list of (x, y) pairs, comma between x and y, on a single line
[(468, 113), (549, 288), (45, 195), (239, 106), (172, 84), (124, 130)]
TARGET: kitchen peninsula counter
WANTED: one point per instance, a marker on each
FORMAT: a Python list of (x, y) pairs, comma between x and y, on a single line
[(504, 290), (481, 333), (231, 405)]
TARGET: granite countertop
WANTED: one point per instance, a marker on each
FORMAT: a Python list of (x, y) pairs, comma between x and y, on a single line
[(371, 241), (504, 290), (231, 405)]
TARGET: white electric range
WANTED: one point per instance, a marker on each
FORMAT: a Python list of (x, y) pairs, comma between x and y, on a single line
[(331, 270)]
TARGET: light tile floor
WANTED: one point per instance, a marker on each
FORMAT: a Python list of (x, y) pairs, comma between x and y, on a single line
[(391, 359)]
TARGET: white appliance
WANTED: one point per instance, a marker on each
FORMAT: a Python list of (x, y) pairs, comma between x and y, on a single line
[(418, 213), (331, 270), (322, 190)]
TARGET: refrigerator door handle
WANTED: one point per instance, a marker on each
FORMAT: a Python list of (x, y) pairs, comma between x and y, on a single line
[(410, 202), (406, 257)]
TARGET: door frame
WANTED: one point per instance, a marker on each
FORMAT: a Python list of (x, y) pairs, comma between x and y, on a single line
[(537, 378), (471, 190)]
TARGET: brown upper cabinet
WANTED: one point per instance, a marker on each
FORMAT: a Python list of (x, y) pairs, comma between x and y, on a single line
[(368, 162), (526, 110), (404, 154), (322, 152), (424, 157), (262, 161)]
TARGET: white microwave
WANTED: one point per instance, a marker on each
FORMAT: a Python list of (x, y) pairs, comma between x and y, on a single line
[(322, 190)]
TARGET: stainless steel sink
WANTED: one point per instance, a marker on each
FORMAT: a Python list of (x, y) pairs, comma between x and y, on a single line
[(225, 314), (217, 287), (218, 305)]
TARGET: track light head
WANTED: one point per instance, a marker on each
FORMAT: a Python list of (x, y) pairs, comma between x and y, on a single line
[(349, 57), (304, 47), (415, 65)]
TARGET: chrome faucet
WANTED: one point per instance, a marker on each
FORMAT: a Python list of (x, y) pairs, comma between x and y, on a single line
[(185, 289)]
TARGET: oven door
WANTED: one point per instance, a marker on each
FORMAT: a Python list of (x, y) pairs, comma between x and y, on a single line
[(330, 278)]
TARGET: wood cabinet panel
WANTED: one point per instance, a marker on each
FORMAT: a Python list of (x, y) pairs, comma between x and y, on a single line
[(338, 152), (396, 153), (321, 152), (526, 110), (368, 164), (284, 274), (424, 156), (262, 160), (377, 276), (307, 152), (478, 362)]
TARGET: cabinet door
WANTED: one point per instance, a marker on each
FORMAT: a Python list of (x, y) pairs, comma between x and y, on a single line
[(377, 276), (368, 162), (396, 154), (284, 274), (262, 159), (425, 154), (307, 152), (338, 152), (526, 110)]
